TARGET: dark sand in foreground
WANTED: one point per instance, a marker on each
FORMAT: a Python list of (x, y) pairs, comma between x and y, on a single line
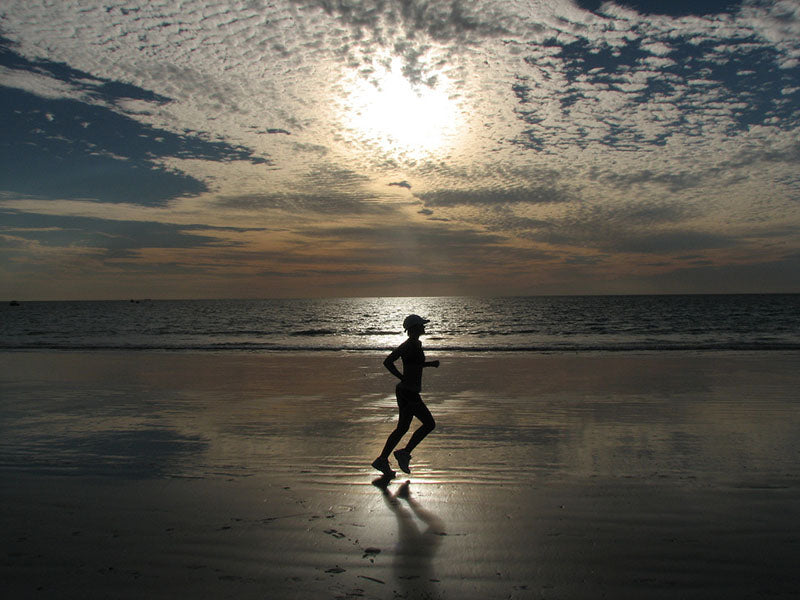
[(159, 475)]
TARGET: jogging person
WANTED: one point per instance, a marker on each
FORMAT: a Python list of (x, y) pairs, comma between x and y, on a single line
[(408, 399)]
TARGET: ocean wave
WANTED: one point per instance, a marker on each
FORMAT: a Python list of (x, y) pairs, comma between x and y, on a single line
[(534, 324), (312, 332)]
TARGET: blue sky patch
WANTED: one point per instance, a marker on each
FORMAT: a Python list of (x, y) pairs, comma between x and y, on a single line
[(65, 148)]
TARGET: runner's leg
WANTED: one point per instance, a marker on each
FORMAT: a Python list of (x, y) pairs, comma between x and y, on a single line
[(419, 410), (403, 423)]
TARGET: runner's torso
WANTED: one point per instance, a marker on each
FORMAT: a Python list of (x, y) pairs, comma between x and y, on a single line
[(413, 362)]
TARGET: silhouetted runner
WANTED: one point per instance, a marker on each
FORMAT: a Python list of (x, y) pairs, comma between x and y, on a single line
[(408, 399)]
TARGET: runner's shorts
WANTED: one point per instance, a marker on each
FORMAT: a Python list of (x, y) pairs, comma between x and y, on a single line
[(406, 397)]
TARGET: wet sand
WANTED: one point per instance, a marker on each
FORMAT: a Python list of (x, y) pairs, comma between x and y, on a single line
[(549, 476)]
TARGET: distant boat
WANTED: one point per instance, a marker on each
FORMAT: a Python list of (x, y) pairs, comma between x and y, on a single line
[(13, 303)]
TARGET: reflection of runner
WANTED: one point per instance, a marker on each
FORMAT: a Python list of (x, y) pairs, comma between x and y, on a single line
[(408, 399), (416, 547)]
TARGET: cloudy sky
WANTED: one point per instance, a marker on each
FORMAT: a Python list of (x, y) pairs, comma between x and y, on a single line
[(167, 149)]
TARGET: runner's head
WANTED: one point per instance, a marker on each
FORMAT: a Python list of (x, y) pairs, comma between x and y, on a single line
[(414, 323)]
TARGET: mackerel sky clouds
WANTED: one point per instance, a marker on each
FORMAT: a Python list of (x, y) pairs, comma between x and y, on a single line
[(337, 148)]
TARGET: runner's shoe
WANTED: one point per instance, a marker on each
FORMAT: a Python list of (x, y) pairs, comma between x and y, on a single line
[(382, 464), (403, 458)]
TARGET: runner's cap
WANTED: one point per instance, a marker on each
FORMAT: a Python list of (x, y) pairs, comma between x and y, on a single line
[(413, 321)]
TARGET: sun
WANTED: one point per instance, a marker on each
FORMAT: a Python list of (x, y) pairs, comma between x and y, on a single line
[(401, 117)]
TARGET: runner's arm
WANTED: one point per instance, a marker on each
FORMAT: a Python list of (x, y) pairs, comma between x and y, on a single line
[(389, 361)]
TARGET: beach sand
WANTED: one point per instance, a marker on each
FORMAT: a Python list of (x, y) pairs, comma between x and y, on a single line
[(617, 475)]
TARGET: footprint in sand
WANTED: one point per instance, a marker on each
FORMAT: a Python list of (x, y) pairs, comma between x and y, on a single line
[(371, 553), (334, 533), (336, 570)]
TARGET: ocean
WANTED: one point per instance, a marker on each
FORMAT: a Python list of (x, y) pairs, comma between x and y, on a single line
[(458, 324)]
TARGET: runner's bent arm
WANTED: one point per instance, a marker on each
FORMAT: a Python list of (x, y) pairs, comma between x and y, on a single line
[(389, 363)]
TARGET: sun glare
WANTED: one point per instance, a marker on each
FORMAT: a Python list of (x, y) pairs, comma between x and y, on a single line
[(415, 120)]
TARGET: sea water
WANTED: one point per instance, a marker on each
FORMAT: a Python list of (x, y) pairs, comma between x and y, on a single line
[(549, 323)]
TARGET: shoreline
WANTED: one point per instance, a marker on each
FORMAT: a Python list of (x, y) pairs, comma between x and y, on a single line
[(321, 351)]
